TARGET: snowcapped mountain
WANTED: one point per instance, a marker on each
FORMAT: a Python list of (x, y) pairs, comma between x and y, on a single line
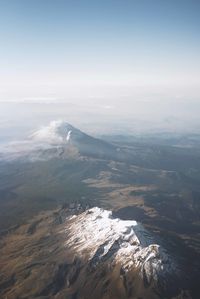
[(58, 139), (57, 132), (81, 253), (136, 263), (65, 136)]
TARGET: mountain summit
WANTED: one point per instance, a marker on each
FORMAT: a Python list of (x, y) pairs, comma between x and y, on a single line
[(57, 132), (127, 254), (81, 253), (59, 139), (63, 135)]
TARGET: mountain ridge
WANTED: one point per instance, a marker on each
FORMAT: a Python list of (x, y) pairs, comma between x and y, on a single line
[(43, 251)]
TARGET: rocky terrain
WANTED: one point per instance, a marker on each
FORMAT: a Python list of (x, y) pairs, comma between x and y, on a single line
[(77, 252), (103, 240)]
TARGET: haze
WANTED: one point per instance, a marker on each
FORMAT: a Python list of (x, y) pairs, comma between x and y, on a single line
[(124, 65)]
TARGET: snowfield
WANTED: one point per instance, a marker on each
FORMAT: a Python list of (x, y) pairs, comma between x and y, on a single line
[(95, 234)]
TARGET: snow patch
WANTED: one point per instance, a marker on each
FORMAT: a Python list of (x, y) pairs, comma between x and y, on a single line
[(68, 136), (98, 235), (55, 133)]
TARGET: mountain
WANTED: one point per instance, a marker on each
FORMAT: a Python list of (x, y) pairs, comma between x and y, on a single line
[(59, 139), (80, 253), (65, 137), (123, 252), (58, 132)]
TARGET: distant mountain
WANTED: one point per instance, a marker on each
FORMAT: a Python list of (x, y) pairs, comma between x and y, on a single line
[(69, 140), (58, 132), (59, 139)]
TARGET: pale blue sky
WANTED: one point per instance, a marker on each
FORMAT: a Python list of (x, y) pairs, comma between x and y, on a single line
[(108, 48)]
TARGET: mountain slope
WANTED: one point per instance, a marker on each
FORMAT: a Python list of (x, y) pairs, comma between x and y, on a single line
[(66, 136), (87, 255), (138, 266), (58, 139)]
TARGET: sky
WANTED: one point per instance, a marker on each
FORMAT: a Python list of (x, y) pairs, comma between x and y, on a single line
[(52, 48), (104, 52)]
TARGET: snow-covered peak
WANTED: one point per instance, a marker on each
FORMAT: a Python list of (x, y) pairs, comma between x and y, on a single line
[(97, 236), (57, 139), (56, 132)]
